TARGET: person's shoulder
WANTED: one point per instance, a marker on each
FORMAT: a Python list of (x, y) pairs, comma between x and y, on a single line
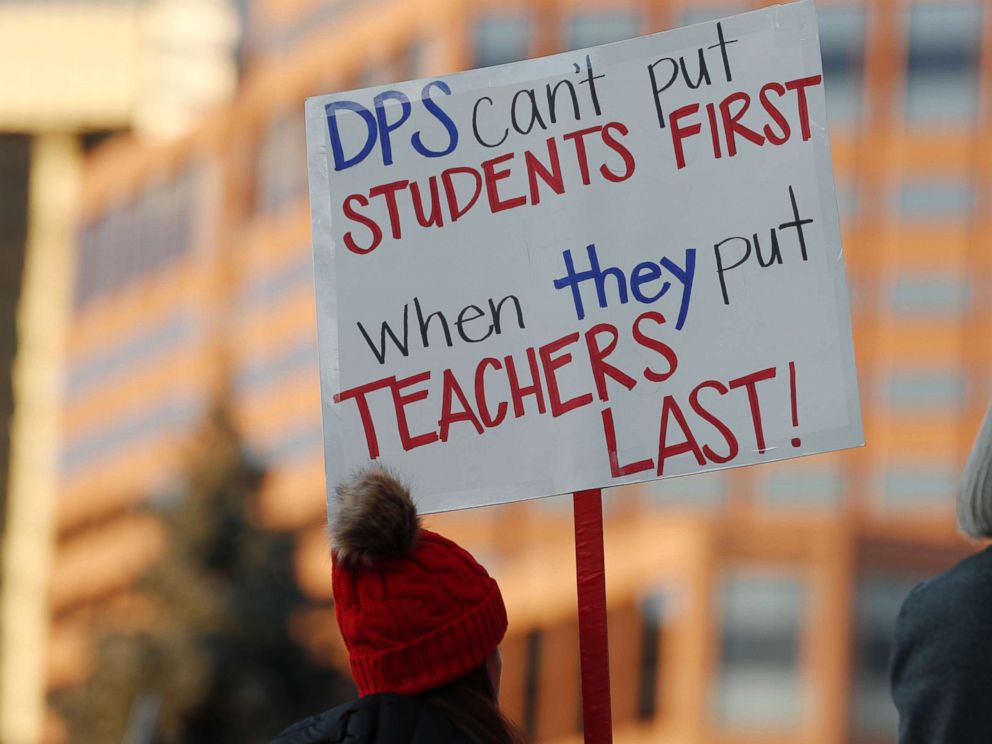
[(374, 719), (971, 576), (960, 596), (328, 727)]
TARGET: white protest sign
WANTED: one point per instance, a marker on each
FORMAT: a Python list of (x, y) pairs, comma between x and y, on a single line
[(601, 267)]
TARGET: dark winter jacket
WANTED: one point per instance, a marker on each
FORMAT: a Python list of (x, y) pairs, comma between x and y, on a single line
[(375, 719), (942, 657)]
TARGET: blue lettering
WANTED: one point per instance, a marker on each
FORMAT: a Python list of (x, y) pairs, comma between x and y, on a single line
[(385, 127), (643, 273), (573, 279), (442, 117), (685, 276), (337, 150)]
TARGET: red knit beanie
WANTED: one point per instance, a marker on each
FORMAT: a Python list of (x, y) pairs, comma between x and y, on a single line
[(416, 610)]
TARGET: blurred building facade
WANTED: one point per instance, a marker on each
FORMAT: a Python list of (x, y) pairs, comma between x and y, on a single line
[(748, 606), (70, 74)]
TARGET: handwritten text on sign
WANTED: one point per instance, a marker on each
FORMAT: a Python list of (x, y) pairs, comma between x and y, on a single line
[(595, 268)]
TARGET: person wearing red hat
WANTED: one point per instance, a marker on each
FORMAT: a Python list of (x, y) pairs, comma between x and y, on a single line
[(422, 622)]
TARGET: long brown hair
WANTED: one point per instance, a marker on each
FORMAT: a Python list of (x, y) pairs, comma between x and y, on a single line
[(470, 704)]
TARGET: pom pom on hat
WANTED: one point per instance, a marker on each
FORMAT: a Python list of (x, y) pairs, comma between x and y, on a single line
[(416, 610), (376, 519)]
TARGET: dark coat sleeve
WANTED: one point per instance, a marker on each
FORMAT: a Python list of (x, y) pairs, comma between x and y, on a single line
[(941, 665), (376, 719)]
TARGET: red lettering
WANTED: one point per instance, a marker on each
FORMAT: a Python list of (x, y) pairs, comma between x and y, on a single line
[(358, 395), (615, 145), (680, 133), (492, 177), (400, 402), (714, 131), (480, 394), (449, 389), (616, 469), (517, 392), (655, 345), (436, 217), (535, 168), (452, 196), (388, 190), (772, 109), (578, 139), (689, 444), (800, 85), (750, 382), (732, 125), (551, 364), (351, 214), (725, 432), (597, 359)]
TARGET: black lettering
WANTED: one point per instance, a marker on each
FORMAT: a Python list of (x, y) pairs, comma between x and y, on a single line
[(797, 222), (475, 125), (497, 309), (464, 318), (380, 351), (425, 323)]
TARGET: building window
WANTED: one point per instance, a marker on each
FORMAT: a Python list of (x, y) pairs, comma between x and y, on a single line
[(706, 490), (652, 616), (127, 239), (412, 60), (704, 14), (942, 390), (255, 375), (590, 29), (929, 294), (842, 46), (282, 166), (911, 485), (302, 441), (500, 39), (935, 199), (562, 503), (384, 71), (175, 414), (532, 681), (860, 292), (264, 36), (759, 683), (87, 255), (273, 286), (135, 238), (160, 206), (942, 71), (877, 600), (153, 342), (802, 487), (847, 200)]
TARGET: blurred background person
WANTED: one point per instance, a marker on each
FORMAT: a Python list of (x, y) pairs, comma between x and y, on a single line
[(942, 652)]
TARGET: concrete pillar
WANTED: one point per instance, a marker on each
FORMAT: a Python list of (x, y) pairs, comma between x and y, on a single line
[(33, 485)]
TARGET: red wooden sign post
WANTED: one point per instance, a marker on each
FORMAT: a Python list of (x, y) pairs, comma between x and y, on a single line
[(594, 649)]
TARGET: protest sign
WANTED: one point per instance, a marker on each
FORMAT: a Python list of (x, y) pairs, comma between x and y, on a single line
[(600, 267)]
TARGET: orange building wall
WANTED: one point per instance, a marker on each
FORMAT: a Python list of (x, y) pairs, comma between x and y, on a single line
[(200, 278)]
